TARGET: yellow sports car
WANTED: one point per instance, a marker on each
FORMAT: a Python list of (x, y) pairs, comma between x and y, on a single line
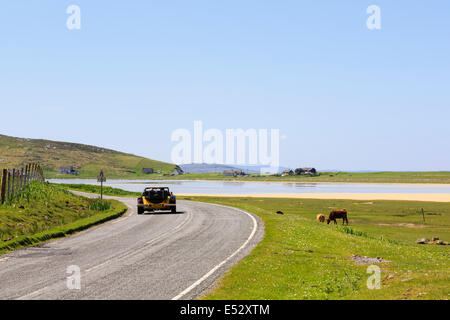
[(159, 198)]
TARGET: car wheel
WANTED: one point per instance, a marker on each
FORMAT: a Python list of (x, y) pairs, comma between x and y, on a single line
[(174, 210), (140, 210)]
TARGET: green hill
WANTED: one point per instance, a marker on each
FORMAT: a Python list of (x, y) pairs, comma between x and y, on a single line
[(88, 160)]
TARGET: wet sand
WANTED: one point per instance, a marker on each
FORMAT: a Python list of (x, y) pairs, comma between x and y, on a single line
[(434, 197)]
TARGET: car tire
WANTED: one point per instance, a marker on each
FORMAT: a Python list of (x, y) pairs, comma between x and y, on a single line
[(173, 210), (140, 210)]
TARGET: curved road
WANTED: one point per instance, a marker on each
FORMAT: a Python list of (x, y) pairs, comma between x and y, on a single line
[(151, 256)]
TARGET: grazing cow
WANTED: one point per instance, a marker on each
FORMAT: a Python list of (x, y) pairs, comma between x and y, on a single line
[(338, 214), (320, 218)]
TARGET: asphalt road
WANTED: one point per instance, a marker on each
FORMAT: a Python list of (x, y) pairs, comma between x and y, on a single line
[(151, 256)]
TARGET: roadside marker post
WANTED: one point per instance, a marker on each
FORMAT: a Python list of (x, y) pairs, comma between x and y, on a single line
[(101, 178)]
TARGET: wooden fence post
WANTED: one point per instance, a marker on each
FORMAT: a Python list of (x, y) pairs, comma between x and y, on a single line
[(3, 186), (39, 174), (21, 179), (28, 175), (16, 180), (27, 172), (13, 183), (8, 186)]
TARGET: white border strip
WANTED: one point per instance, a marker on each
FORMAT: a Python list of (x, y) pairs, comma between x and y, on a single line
[(207, 275)]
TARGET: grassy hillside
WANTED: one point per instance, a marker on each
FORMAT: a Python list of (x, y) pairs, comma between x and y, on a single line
[(88, 160), (44, 211), (300, 258)]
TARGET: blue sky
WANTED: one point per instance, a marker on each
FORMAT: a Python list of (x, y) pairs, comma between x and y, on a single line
[(344, 96)]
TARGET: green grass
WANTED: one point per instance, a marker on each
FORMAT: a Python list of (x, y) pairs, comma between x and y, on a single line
[(99, 205), (16, 152), (300, 258), (45, 211), (107, 191), (356, 177)]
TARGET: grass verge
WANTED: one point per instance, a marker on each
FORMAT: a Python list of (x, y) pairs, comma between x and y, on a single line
[(43, 212), (300, 258), (107, 191)]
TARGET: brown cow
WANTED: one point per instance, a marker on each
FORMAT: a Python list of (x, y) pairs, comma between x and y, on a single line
[(320, 218), (338, 214)]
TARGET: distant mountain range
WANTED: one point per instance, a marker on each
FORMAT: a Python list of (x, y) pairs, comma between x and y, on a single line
[(219, 168), (204, 168)]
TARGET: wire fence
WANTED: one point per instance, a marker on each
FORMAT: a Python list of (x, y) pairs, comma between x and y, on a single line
[(15, 180)]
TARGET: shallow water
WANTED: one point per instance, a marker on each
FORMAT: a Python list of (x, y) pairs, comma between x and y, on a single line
[(228, 187)]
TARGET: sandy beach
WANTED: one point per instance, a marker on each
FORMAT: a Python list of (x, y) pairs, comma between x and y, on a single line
[(434, 197)]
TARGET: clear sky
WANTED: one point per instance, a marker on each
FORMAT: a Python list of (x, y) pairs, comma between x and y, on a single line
[(345, 97)]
